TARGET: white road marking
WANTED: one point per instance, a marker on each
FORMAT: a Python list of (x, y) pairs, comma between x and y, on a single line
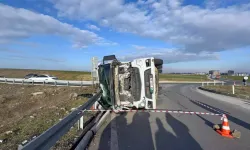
[(114, 137)]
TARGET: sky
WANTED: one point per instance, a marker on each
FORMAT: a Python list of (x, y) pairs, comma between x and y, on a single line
[(189, 35)]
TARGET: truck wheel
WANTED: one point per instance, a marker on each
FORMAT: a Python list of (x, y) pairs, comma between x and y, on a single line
[(158, 62)]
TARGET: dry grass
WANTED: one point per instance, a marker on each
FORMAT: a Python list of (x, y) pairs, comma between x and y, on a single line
[(62, 75), (26, 116), (234, 78), (178, 77), (240, 91), (80, 75)]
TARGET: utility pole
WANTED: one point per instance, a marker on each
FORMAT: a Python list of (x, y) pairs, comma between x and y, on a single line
[(94, 71)]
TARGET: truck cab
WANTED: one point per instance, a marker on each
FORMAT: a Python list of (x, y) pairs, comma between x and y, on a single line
[(132, 84)]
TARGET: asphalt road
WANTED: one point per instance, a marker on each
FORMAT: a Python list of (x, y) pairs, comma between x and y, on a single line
[(162, 131)]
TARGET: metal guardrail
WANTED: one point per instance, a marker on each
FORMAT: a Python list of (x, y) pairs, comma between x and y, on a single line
[(191, 82), (52, 83), (81, 83), (213, 83), (49, 138)]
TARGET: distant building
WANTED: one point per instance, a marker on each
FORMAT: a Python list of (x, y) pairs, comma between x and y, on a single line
[(242, 74), (230, 72), (201, 73), (214, 74)]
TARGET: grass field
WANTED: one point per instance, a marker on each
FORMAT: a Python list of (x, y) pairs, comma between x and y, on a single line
[(62, 75), (178, 77), (24, 115), (81, 75), (235, 78), (240, 91)]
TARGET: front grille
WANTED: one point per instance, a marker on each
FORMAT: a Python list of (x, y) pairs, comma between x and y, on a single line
[(136, 84), (147, 74)]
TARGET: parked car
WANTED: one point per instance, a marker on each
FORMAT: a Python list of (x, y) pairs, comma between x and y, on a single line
[(43, 77), (131, 84), (30, 75)]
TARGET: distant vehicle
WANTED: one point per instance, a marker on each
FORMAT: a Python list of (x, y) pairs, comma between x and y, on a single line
[(43, 77), (129, 84), (30, 75), (217, 77)]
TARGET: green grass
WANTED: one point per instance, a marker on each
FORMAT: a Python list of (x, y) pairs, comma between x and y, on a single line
[(235, 78), (240, 91), (178, 77)]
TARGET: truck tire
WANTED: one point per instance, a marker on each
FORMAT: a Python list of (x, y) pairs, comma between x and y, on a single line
[(158, 62)]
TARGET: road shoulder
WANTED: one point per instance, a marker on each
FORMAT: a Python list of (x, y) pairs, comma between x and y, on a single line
[(243, 103)]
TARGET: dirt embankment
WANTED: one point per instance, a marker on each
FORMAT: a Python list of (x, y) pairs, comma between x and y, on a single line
[(27, 111)]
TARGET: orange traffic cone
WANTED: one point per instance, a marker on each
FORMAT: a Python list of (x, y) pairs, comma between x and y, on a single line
[(225, 129)]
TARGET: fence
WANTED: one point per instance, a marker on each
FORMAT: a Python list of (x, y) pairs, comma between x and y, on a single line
[(213, 83)]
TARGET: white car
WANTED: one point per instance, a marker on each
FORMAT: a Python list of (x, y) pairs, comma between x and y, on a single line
[(43, 77)]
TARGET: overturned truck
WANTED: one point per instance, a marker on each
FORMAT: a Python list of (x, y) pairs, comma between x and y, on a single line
[(129, 85)]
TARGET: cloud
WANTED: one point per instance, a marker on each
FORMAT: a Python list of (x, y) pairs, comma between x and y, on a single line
[(108, 43), (191, 27), (27, 43), (169, 55), (52, 60), (138, 47), (18, 23), (92, 27), (7, 50), (18, 57)]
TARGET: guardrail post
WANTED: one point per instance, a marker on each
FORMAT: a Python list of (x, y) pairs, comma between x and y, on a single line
[(32, 82), (233, 89), (55, 83), (202, 84), (6, 81), (81, 83), (22, 82), (80, 123), (207, 83), (13, 81), (67, 83), (43, 82)]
